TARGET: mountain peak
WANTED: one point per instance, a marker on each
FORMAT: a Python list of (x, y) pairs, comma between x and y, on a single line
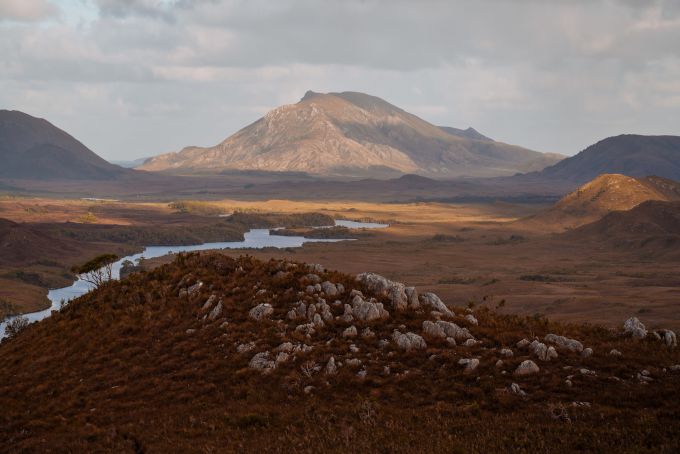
[(352, 134)]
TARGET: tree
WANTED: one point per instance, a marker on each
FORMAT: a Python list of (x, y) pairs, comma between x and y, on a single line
[(16, 325), (98, 270)]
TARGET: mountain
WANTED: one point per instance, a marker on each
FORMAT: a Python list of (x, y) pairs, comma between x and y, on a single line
[(604, 194), (469, 133), (33, 148), (351, 134), (632, 155), (130, 164)]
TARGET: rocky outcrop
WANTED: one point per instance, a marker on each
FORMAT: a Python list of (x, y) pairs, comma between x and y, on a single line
[(527, 367), (432, 330), (395, 291), (564, 342), (635, 328), (408, 341), (431, 300), (368, 311), (261, 311)]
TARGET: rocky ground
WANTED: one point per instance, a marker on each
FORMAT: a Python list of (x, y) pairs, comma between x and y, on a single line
[(211, 353)]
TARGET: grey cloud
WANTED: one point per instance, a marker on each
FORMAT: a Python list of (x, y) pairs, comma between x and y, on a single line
[(27, 10)]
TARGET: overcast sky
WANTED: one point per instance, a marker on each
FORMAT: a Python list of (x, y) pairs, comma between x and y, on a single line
[(134, 78)]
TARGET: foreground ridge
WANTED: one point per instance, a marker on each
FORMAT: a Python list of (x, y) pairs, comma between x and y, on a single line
[(211, 350)]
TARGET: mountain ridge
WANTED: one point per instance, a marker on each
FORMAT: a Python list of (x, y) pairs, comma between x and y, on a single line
[(348, 133)]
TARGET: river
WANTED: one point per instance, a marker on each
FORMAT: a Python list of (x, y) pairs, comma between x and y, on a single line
[(255, 238)]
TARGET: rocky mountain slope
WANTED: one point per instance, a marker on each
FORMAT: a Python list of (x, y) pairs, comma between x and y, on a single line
[(211, 353), (33, 148), (603, 195), (631, 155), (352, 134)]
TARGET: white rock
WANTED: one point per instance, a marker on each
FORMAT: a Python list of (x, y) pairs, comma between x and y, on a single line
[(412, 296), (353, 348), (668, 337), (615, 352), (515, 389), (499, 363), (587, 352), (262, 361), (451, 341), (506, 352), (216, 312), (408, 341), (245, 348), (431, 300), (350, 332), (329, 288), (331, 367), (469, 363), (527, 367), (542, 351), (353, 362), (635, 328), (470, 343), (471, 319), (455, 331), (395, 291), (368, 311), (433, 330), (564, 342), (523, 343), (261, 311)]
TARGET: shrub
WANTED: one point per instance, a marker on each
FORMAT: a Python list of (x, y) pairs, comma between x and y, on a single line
[(16, 325)]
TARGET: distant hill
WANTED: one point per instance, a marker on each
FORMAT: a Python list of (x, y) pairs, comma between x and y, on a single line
[(631, 155), (604, 194), (33, 148), (652, 227), (130, 164), (353, 134), (21, 244)]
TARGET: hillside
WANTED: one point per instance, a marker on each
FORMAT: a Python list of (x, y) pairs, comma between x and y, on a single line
[(33, 148), (631, 155), (603, 195), (210, 353), (652, 227), (352, 134)]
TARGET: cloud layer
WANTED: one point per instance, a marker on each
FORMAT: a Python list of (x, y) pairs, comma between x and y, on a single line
[(138, 77)]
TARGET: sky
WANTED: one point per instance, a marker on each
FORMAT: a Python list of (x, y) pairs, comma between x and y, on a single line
[(135, 78)]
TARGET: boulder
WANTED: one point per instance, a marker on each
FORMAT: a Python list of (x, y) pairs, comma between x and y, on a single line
[(635, 328), (432, 330), (668, 337), (564, 342), (216, 311), (587, 352), (331, 367), (471, 319), (245, 348), (433, 301), (469, 363), (412, 296), (454, 331), (408, 341), (515, 389), (395, 291), (523, 343), (262, 361), (615, 352), (261, 311), (527, 367), (350, 332), (329, 288), (209, 302), (506, 352), (368, 311), (542, 351)]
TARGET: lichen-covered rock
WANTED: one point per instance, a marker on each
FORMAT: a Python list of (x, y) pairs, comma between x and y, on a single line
[(564, 342), (261, 311), (216, 311), (395, 291), (668, 337), (262, 361), (635, 328), (542, 351), (368, 311), (350, 332), (454, 331), (471, 319), (527, 367), (331, 367), (408, 341), (412, 297), (431, 300), (470, 364), (329, 288), (433, 330)]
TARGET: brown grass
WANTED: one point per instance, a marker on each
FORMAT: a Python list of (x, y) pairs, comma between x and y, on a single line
[(117, 371)]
